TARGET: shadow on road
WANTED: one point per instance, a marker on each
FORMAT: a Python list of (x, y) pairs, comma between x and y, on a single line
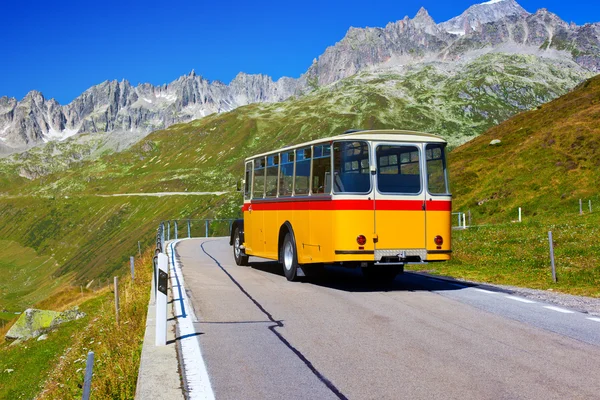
[(352, 280)]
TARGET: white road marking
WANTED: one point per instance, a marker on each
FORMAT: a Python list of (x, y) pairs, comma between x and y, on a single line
[(522, 300), (561, 310), (485, 291), (594, 319), (196, 374)]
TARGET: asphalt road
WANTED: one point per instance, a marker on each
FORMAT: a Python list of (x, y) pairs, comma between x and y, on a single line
[(338, 336)]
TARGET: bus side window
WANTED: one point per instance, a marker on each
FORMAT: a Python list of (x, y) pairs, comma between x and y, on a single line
[(248, 183), (322, 169), (259, 178), (272, 175), (286, 174), (303, 157), (351, 167)]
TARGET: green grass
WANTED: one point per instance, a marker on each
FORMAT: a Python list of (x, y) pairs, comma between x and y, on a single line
[(53, 243), (54, 368), (26, 278), (33, 360)]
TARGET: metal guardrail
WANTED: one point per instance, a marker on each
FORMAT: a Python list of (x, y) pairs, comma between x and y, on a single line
[(195, 228)]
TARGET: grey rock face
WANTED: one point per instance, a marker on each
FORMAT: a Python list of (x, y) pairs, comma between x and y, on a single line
[(502, 24), (118, 107), (480, 14)]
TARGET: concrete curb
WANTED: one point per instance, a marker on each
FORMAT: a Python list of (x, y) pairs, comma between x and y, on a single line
[(158, 376)]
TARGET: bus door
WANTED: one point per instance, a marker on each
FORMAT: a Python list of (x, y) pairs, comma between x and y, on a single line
[(438, 204), (399, 202), (247, 203)]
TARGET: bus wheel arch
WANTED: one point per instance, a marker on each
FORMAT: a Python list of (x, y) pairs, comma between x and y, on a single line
[(288, 251)]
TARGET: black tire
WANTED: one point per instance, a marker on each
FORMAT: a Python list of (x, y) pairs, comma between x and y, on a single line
[(382, 274), (238, 254), (289, 257)]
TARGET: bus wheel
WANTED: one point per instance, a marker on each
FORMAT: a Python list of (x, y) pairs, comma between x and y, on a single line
[(240, 259), (382, 274), (289, 257)]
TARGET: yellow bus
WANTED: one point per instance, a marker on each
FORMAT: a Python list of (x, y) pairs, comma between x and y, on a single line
[(374, 199)]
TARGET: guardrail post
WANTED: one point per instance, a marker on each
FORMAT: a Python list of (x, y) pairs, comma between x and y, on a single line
[(175, 223), (580, 207), (162, 238), (161, 300), (168, 230), (519, 214), (189, 229), (230, 224), (87, 382), (206, 227)]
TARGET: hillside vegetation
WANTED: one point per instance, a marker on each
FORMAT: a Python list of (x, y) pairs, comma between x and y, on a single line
[(547, 160)]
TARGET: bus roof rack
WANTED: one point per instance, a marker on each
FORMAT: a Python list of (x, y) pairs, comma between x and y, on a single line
[(352, 131)]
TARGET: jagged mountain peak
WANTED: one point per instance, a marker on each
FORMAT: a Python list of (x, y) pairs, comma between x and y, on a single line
[(423, 17), (482, 13)]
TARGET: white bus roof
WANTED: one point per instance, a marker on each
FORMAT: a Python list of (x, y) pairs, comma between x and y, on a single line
[(387, 135)]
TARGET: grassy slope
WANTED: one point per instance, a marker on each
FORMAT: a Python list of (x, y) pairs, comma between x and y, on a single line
[(57, 373), (547, 160)]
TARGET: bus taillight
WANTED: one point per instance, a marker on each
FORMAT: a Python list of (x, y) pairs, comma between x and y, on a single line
[(361, 240), (438, 240)]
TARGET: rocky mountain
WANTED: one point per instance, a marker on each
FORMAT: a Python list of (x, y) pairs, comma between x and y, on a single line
[(495, 26), (114, 106), (129, 113), (479, 14)]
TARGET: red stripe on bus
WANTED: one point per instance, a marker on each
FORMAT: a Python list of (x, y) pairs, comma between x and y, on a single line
[(348, 205)]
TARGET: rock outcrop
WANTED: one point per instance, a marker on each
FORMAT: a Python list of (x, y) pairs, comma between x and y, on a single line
[(33, 323)]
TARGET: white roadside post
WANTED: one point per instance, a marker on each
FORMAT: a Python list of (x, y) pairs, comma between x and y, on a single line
[(161, 299), (519, 214), (464, 221)]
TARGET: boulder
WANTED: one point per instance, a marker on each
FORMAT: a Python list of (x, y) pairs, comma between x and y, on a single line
[(33, 323), (495, 142)]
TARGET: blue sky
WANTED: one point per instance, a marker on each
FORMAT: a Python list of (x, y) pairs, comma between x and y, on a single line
[(62, 48)]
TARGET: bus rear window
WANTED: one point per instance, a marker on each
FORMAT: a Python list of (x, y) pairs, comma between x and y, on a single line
[(437, 174), (351, 167), (398, 169)]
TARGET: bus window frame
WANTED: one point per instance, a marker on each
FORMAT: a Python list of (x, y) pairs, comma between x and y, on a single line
[(324, 194), (445, 163), (422, 166), (264, 177), (251, 191), (370, 158), (294, 194), (277, 161), (281, 153)]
